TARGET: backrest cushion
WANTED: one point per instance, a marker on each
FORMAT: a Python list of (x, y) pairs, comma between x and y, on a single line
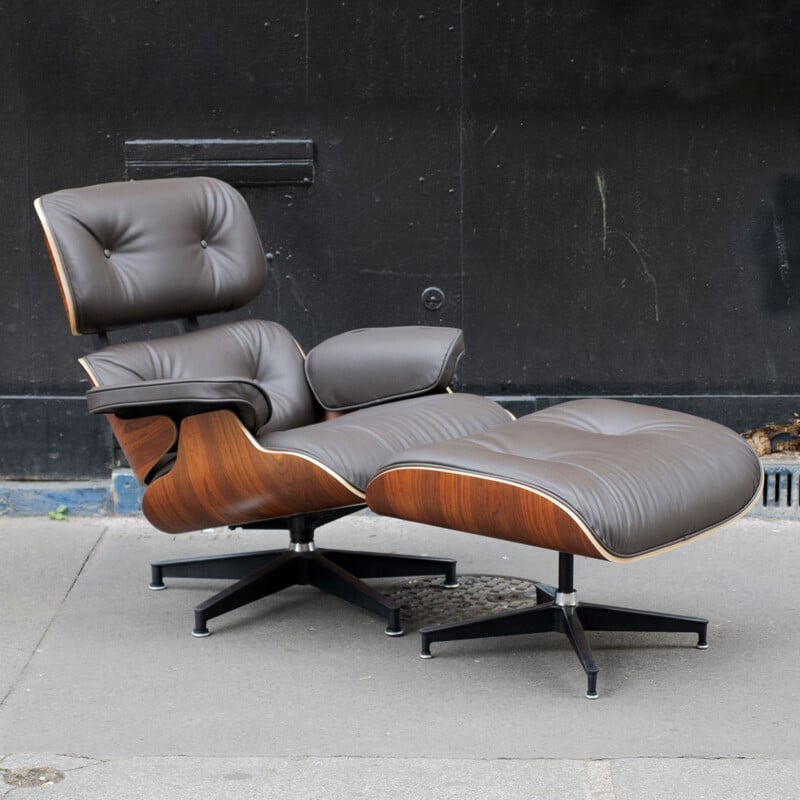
[(127, 253), (256, 350)]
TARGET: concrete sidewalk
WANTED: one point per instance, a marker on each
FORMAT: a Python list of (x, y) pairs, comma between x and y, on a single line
[(104, 692)]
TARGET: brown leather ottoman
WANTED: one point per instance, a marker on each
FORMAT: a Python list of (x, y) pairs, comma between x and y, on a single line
[(599, 478)]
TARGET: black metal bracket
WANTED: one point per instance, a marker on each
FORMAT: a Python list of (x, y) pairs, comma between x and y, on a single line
[(242, 162)]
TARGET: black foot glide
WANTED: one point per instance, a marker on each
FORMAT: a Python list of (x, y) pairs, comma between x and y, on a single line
[(338, 572), (560, 612)]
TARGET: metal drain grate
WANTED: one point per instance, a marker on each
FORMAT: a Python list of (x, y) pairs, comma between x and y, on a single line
[(424, 601), (781, 498)]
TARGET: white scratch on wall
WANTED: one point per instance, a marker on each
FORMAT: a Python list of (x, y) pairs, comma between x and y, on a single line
[(645, 269), (601, 188), (780, 241)]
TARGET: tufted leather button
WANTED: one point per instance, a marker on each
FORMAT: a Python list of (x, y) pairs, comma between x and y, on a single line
[(107, 253), (203, 244)]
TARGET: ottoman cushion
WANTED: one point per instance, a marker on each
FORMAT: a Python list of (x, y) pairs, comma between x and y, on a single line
[(603, 478)]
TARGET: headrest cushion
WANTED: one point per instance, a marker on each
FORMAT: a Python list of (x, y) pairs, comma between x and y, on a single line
[(128, 253)]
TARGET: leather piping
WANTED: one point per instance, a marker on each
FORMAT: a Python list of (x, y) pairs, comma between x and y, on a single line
[(58, 265), (89, 371)]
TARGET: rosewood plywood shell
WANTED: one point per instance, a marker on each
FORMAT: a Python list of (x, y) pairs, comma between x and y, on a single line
[(144, 440), (481, 505), (223, 477)]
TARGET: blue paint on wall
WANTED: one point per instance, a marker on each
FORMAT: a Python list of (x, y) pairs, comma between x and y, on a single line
[(121, 495)]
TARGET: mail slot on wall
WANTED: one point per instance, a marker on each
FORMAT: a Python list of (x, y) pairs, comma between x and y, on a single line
[(237, 161)]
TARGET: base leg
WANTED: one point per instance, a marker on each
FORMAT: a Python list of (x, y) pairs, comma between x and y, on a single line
[(610, 618), (391, 565), (330, 577), (538, 619), (232, 566), (279, 574), (575, 633)]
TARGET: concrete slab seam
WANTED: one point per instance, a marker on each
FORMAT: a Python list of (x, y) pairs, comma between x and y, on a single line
[(12, 688)]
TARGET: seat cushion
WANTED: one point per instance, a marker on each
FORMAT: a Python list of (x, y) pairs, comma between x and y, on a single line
[(355, 445), (634, 478)]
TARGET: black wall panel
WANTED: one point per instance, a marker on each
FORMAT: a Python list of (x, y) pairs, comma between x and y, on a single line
[(637, 161), (607, 193)]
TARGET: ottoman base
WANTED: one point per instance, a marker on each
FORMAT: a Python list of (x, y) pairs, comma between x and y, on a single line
[(562, 613)]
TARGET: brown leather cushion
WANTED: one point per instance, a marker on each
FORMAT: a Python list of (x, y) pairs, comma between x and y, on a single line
[(639, 478), (376, 365), (356, 444), (133, 252), (254, 350)]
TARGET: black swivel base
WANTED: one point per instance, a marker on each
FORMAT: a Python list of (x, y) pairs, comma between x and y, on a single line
[(557, 610), (338, 572)]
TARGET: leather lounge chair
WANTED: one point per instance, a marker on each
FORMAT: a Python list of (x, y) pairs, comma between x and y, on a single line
[(231, 425)]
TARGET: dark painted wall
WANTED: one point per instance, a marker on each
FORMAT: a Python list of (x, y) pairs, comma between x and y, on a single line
[(608, 193)]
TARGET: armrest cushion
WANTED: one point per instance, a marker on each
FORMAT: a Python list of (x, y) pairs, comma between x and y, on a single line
[(374, 365), (182, 398)]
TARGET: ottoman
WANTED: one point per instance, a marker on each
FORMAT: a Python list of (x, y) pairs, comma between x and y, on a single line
[(604, 479)]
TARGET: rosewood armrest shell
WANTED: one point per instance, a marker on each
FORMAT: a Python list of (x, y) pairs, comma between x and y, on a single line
[(145, 441)]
